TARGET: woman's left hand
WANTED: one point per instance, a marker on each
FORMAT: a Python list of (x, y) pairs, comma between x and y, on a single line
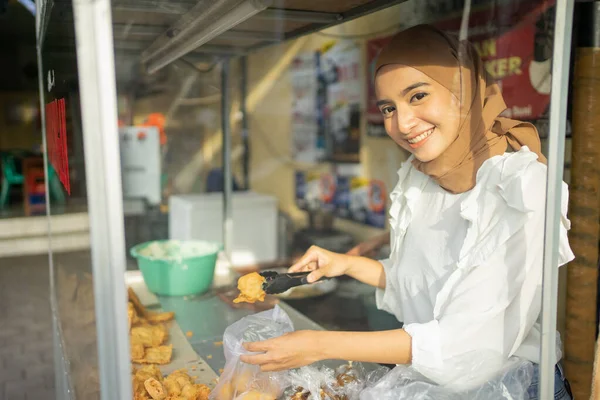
[(292, 350)]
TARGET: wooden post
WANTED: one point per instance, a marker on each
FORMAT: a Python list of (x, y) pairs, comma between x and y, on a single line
[(582, 278)]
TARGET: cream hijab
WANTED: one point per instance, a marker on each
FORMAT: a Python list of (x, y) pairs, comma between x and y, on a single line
[(482, 132)]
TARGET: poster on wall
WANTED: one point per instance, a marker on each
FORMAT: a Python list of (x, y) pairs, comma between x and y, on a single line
[(515, 52), (373, 115), (347, 197), (308, 144), (340, 96)]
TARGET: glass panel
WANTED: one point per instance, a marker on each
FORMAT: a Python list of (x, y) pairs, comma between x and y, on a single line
[(73, 292), (319, 155)]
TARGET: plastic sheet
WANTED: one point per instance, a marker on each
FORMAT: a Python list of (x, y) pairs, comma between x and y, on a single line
[(404, 382), (244, 381)]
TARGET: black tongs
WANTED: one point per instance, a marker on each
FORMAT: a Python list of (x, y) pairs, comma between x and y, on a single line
[(278, 283)]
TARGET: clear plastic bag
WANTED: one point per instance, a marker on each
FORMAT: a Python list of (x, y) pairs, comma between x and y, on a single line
[(404, 382), (344, 383), (241, 381)]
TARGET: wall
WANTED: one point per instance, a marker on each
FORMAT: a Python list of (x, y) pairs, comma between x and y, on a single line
[(269, 108)]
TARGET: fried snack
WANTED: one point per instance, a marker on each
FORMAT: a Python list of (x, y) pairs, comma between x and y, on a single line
[(344, 379), (148, 371), (203, 392), (137, 351), (226, 392), (138, 388), (150, 335), (173, 387), (157, 317), (255, 395), (157, 355), (151, 316), (141, 395), (181, 377), (243, 381), (148, 384), (155, 389), (135, 300), (140, 376), (250, 287), (130, 314), (195, 392), (300, 395)]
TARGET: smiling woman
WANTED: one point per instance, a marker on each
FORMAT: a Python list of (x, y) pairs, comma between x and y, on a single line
[(424, 117), (467, 219), (431, 86)]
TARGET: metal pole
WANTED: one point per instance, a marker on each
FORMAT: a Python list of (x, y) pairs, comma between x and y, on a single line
[(227, 173), (246, 142), (558, 113), (97, 87)]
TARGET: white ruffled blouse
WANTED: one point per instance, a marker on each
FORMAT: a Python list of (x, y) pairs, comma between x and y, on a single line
[(465, 270)]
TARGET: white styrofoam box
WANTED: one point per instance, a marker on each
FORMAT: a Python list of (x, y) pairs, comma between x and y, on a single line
[(200, 217)]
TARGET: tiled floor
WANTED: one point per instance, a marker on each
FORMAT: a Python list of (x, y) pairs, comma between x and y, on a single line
[(26, 355)]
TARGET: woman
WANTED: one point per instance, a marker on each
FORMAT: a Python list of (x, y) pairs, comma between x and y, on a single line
[(467, 219)]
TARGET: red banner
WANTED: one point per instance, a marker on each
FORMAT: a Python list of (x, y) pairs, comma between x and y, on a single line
[(56, 141), (506, 39)]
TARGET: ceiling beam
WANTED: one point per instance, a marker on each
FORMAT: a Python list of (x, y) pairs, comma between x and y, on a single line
[(299, 16)]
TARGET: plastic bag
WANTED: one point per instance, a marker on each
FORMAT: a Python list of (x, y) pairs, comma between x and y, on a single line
[(404, 382), (241, 381), (344, 383)]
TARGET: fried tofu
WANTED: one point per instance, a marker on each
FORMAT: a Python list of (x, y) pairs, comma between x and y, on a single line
[(150, 335), (137, 351), (157, 355)]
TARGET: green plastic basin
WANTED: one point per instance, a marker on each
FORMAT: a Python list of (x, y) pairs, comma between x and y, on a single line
[(177, 268)]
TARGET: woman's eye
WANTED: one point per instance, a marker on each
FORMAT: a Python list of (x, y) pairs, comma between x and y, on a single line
[(418, 97), (387, 110)]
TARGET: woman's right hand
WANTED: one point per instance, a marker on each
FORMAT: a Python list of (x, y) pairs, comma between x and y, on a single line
[(323, 263)]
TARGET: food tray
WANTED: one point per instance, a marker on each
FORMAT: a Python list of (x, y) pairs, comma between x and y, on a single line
[(184, 355)]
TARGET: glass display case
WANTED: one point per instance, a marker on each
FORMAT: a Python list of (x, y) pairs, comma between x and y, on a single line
[(254, 124)]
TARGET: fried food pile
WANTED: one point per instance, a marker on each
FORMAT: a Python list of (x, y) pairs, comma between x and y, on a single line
[(251, 288), (148, 333), (149, 384)]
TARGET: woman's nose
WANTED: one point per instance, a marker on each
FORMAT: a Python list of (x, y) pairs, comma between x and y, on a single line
[(406, 120)]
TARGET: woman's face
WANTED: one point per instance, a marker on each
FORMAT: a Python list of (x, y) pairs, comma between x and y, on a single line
[(419, 114)]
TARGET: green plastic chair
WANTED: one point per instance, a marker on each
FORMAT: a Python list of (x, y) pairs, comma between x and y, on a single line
[(10, 177), (55, 186)]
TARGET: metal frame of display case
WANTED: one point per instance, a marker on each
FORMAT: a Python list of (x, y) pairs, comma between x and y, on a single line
[(95, 56)]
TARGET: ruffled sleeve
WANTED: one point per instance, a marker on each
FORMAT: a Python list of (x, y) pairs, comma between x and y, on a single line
[(403, 198), (490, 302)]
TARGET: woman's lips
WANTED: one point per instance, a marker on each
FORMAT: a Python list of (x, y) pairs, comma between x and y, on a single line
[(420, 140)]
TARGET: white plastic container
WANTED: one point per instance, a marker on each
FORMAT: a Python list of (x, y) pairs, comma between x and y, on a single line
[(200, 217)]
